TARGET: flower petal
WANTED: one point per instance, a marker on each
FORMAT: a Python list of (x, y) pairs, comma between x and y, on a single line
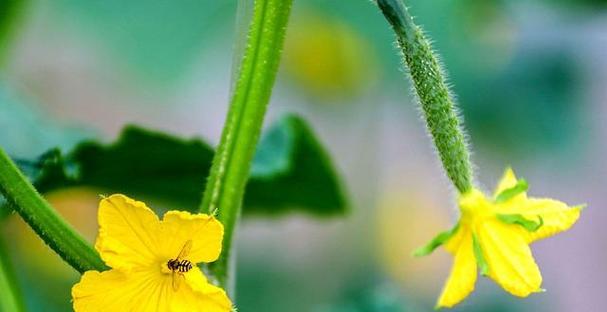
[(147, 291), (115, 290), (459, 237), (128, 232), (507, 181), (205, 232), (200, 295), (463, 274), (510, 261), (556, 215)]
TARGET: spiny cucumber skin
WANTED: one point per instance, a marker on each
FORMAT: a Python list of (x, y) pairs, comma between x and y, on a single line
[(439, 110), (438, 107)]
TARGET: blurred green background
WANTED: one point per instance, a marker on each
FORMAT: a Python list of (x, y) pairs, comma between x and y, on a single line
[(530, 78)]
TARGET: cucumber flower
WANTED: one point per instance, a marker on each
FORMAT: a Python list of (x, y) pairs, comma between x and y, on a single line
[(493, 236), (153, 262)]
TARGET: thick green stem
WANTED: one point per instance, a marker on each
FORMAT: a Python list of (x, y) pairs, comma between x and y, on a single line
[(232, 162), (437, 104), (10, 296), (43, 219)]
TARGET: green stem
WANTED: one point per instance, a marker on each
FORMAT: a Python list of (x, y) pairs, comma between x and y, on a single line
[(10, 296), (43, 219), (437, 104), (231, 165)]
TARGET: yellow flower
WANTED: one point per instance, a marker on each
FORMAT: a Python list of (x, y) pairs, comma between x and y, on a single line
[(493, 235), (138, 247)]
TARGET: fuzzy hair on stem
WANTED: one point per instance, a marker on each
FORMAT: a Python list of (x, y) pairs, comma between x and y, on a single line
[(59, 235), (254, 79)]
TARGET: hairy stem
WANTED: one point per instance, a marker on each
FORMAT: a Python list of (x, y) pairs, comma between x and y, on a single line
[(231, 165), (44, 220), (438, 106)]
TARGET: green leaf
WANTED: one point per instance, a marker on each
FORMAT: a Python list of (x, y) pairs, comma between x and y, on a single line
[(436, 242), (141, 163), (507, 194), (32, 133), (291, 170), (5, 208), (529, 225), (478, 254)]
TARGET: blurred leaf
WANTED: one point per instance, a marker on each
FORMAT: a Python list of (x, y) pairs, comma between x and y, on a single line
[(32, 132), (140, 163), (375, 296), (328, 58), (533, 107), (5, 210), (9, 13), (591, 6), (291, 171)]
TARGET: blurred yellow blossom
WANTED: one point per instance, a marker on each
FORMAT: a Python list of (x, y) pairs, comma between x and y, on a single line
[(328, 57), (140, 248), (493, 235)]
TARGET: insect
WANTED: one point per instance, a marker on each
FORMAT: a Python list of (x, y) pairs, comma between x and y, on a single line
[(178, 266)]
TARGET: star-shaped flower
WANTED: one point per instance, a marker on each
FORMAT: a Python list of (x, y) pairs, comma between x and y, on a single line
[(493, 235), (139, 247)]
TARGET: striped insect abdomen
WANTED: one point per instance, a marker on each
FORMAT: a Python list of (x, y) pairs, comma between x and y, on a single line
[(181, 266)]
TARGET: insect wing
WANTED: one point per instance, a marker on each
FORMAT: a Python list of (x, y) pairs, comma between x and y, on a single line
[(185, 250), (177, 278)]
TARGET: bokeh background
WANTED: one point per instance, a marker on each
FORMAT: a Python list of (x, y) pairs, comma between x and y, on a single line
[(531, 81)]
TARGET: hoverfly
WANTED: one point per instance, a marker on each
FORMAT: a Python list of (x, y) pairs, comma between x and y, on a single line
[(178, 266)]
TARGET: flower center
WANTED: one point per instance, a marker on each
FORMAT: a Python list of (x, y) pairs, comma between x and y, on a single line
[(474, 206)]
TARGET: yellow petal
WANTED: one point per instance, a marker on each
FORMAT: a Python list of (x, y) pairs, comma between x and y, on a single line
[(507, 181), (147, 291), (454, 243), (205, 232), (509, 258), (115, 290), (556, 215), (463, 274), (128, 233), (200, 295)]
